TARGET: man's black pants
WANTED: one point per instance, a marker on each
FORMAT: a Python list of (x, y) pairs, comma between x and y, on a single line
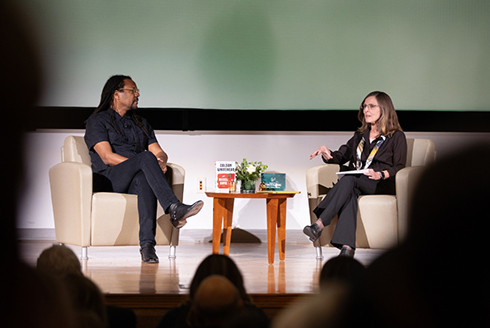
[(141, 175)]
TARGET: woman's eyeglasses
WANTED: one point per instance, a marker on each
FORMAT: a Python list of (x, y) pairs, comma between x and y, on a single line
[(371, 106)]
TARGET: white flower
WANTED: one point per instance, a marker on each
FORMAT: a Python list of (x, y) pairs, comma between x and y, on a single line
[(250, 168)]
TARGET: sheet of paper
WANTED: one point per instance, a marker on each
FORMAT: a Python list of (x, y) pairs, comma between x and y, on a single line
[(342, 173)]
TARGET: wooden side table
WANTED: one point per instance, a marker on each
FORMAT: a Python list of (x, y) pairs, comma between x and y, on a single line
[(276, 216)]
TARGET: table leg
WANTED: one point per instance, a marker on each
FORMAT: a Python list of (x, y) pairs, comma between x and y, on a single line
[(272, 219), (227, 222), (281, 228), (276, 216), (222, 217)]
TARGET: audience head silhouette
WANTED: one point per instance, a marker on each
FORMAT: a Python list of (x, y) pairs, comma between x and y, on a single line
[(342, 269), (87, 300), (58, 260), (217, 298), (221, 265), (436, 277), (28, 299), (215, 301)]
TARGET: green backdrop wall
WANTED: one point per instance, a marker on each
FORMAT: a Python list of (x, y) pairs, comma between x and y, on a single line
[(278, 54)]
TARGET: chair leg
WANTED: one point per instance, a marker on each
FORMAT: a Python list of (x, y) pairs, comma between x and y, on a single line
[(171, 252), (84, 253), (319, 253)]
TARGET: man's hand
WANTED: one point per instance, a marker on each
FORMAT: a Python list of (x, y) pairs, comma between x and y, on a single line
[(161, 156), (163, 164)]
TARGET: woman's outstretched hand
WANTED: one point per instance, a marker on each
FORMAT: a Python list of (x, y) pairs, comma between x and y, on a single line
[(324, 151)]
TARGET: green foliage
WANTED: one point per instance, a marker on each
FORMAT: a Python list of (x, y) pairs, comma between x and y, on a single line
[(249, 171)]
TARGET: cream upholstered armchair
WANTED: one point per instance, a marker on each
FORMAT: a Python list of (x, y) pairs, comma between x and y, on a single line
[(381, 219), (84, 218)]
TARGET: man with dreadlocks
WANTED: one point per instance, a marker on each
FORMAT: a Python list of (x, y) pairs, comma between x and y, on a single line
[(127, 158)]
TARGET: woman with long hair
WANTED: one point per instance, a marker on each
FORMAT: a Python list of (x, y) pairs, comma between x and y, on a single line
[(379, 147), (127, 158)]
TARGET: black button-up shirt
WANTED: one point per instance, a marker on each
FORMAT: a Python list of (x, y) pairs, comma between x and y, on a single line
[(391, 156), (129, 141)]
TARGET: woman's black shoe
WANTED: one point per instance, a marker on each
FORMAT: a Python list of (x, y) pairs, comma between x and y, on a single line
[(148, 254), (347, 251), (313, 231)]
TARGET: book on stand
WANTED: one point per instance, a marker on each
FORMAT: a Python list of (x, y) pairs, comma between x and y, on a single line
[(225, 173)]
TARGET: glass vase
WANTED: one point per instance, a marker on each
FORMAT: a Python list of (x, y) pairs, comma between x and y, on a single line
[(248, 187)]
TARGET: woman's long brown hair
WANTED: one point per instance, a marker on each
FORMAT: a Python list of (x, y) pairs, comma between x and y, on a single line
[(388, 120)]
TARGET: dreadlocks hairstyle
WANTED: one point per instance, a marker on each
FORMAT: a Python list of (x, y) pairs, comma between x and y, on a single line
[(388, 120), (114, 83)]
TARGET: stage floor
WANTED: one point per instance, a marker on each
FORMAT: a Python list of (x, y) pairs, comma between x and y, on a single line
[(119, 270), (150, 290)]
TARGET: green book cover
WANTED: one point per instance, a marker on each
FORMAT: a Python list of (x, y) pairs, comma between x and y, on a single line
[(274, 181)]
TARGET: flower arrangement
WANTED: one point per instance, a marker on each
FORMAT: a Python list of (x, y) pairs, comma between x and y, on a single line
[(246, 171)]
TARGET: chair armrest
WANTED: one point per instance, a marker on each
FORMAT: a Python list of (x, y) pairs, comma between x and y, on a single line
[(319, 179), (177, 180), (406, 181), (71, 196)]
